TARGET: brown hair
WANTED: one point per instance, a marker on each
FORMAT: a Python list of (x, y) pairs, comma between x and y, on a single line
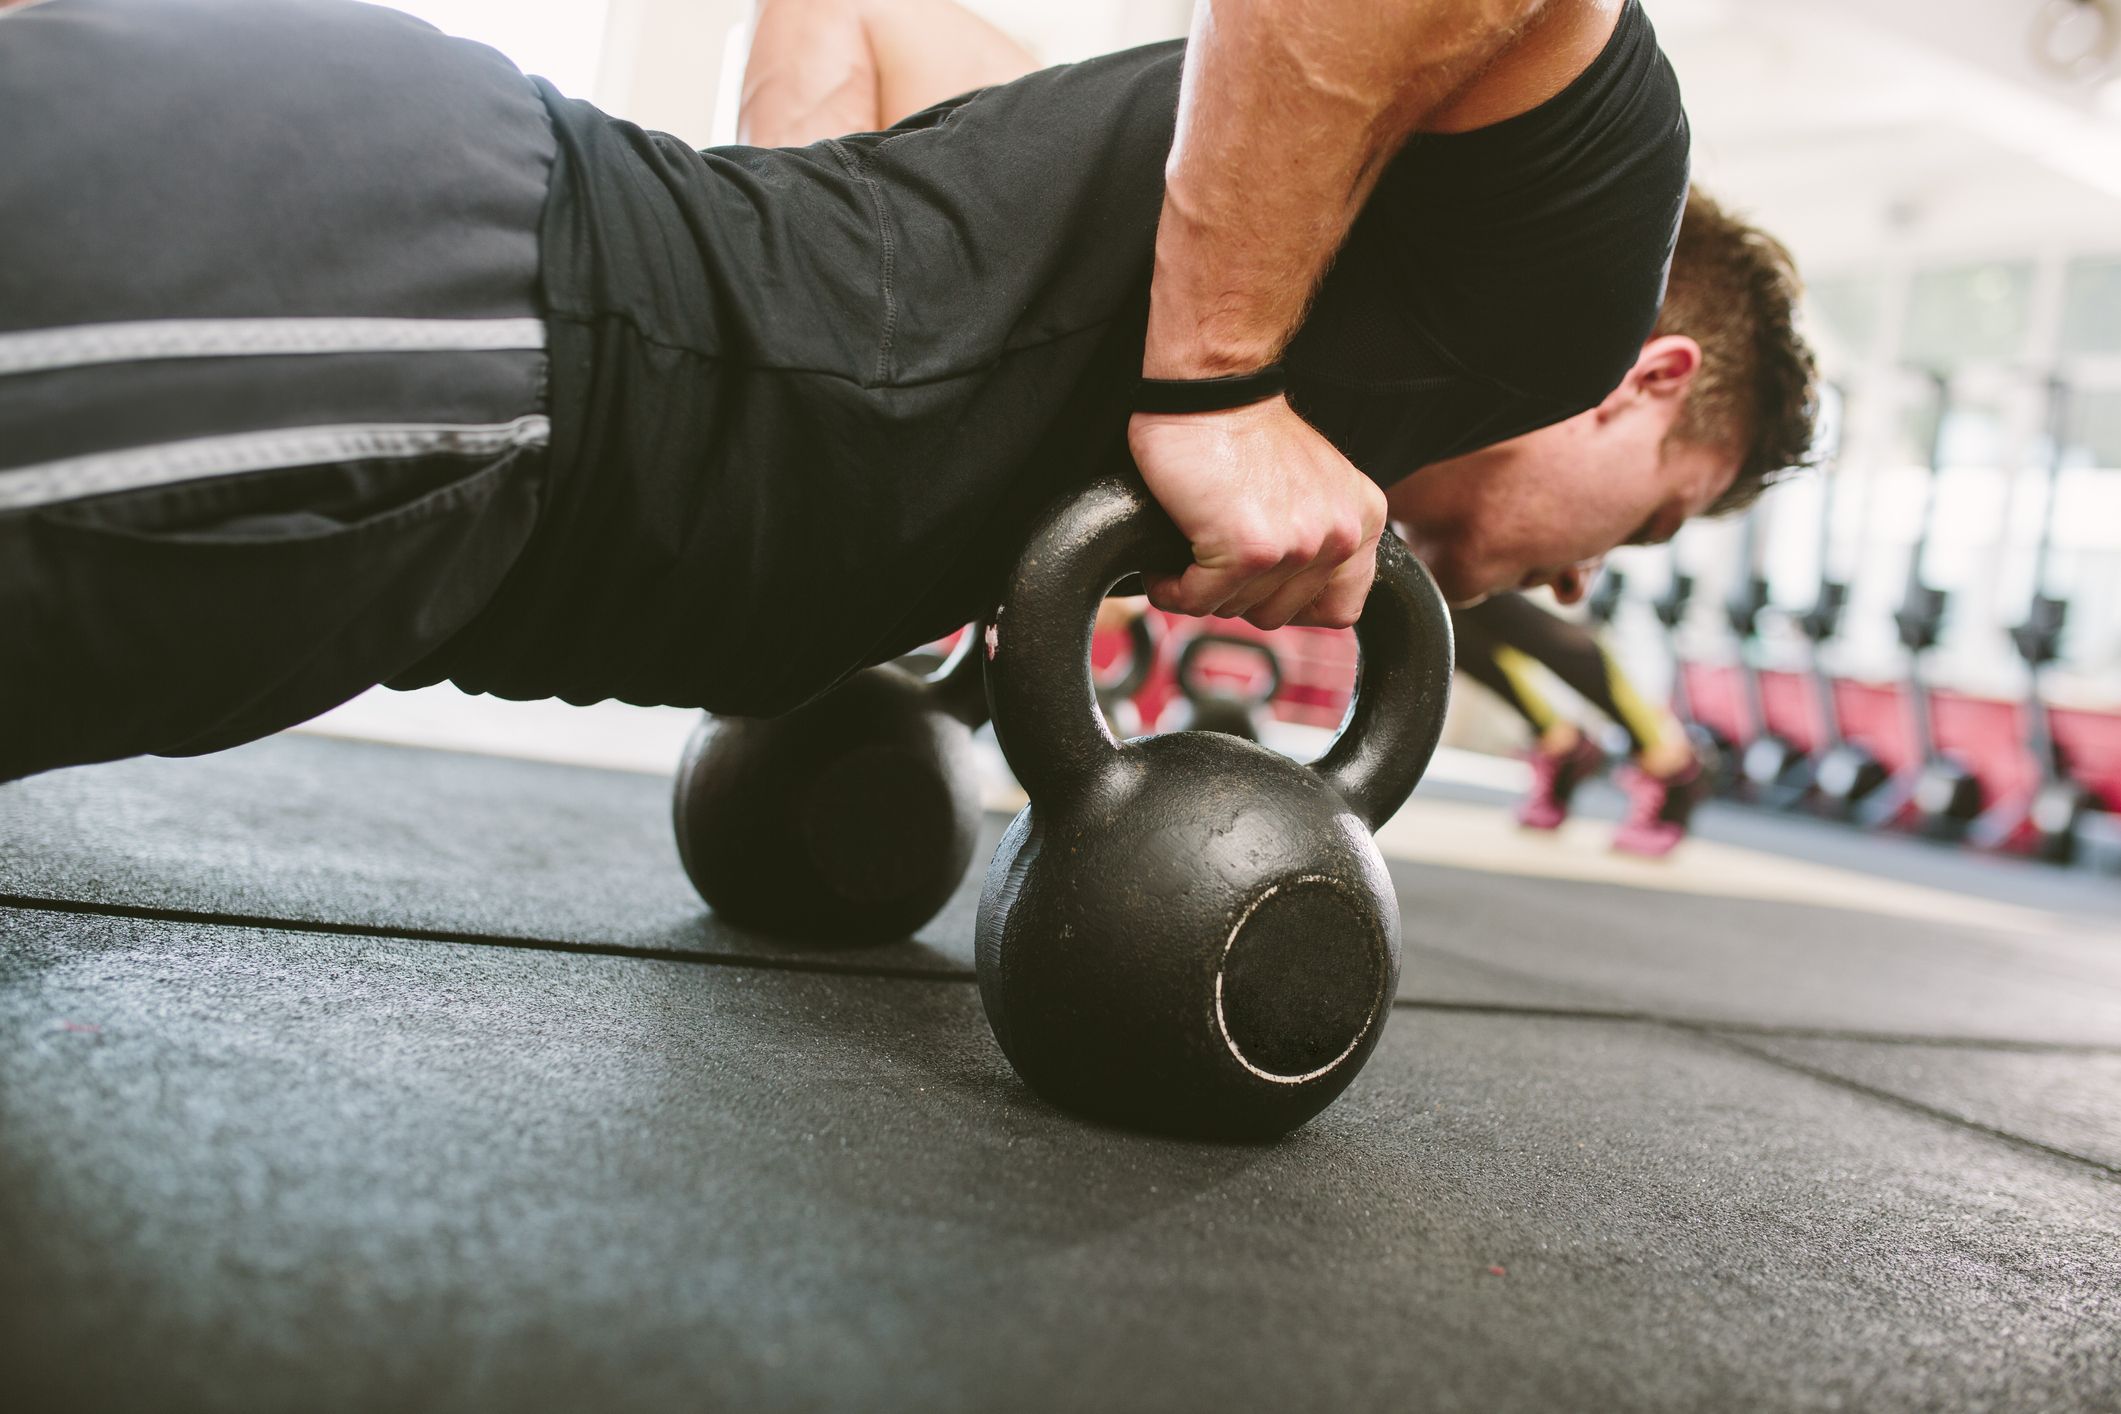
[(1734, 291)]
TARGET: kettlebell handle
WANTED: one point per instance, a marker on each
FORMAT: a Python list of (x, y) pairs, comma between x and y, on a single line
[(1402, 688), (1038, 667), (955, 688)]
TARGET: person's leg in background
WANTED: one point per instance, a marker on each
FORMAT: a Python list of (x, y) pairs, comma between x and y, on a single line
[(1562, 757), (1666, 782), (821, 68)]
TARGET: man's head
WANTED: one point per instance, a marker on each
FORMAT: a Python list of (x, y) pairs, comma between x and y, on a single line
[(1719, 403)]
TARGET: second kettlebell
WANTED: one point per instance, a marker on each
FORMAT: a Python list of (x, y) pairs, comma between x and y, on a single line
[(1211, 706), (852, 818), (1115, 695)]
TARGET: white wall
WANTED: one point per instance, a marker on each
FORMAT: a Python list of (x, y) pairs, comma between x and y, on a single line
[(663, 62), (1851, 125), (557, 39)]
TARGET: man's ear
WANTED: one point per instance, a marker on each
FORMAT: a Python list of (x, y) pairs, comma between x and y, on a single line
[(1664, 369)]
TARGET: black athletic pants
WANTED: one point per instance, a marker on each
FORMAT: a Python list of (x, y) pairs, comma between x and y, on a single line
[(1501, 637), (272, 362)]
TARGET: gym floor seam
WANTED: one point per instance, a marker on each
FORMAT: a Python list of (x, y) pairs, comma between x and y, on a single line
[(1843, 1082), (1721, 1029)]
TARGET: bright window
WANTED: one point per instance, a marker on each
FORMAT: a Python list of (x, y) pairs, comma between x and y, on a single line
[(2091, 314), (2095, 428), (1847, 308), (1968, 314)]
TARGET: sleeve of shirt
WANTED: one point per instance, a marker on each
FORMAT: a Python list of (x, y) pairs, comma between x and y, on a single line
[(1523, 262)]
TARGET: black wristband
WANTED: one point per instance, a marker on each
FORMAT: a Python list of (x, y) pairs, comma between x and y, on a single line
[(1210, 394)]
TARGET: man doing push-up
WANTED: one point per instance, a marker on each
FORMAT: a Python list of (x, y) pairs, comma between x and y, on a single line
[(335, 352)]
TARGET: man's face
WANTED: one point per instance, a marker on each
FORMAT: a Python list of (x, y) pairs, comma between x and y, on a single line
[(1543, 508)]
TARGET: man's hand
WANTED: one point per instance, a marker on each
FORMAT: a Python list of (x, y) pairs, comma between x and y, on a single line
[(1283, 528)]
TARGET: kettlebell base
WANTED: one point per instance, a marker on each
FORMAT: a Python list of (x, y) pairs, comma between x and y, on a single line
[(1210, 1123)]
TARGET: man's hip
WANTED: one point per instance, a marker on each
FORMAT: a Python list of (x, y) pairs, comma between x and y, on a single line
[(272, 363)]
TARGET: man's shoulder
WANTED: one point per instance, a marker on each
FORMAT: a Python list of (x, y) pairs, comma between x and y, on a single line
[(1561, 40), (1534, 250), (1512, 271)]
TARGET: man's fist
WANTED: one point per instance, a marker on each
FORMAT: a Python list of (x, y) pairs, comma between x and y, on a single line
[(1283, 528)]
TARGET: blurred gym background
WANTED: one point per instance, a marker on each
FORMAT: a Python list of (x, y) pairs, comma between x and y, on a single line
[(1948, 173)]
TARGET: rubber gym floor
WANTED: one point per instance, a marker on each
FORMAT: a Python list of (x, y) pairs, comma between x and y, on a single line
[(342, 1076)]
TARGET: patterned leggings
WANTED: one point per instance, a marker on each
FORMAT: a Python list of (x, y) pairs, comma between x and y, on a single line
[(1501, 638)]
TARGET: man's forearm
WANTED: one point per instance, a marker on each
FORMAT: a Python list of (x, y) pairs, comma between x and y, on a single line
[(1288, 111), (810, 74)]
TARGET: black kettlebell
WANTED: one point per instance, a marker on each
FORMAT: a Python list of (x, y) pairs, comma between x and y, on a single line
[(852, 818), (1211, 707), (1115, 695), (1191, 933)]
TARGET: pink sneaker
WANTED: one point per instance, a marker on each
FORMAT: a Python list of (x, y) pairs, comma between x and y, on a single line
[(1555, 776), (1659, 809)]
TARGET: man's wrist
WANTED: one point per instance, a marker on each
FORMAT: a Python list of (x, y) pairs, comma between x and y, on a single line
[(1218, 394)]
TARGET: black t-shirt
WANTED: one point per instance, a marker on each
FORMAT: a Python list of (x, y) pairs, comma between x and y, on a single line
[(1502, 279), (807, 402)]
